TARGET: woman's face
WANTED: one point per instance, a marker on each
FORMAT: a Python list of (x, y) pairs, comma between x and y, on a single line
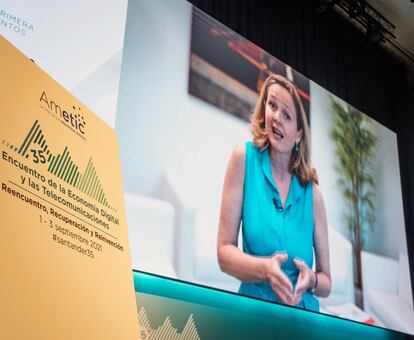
[(280, 117)]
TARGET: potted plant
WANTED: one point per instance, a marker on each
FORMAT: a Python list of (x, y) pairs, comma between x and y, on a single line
[(355, 146)]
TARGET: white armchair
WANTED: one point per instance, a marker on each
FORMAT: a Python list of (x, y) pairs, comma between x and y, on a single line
[(151, 234), (184, 221), (197, 207), (387, 291), (342, 274)]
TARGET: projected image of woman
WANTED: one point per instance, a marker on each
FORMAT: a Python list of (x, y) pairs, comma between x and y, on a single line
[(271, 189)]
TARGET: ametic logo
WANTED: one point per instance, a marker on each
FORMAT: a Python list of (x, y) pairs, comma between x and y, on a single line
[(71, 118)]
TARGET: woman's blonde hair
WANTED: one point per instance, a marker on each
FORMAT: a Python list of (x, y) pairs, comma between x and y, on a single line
[(300, 162)]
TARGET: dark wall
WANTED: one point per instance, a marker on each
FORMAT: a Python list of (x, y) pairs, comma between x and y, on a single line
[(332, 52)]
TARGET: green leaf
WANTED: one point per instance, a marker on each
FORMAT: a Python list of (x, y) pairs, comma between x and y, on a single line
[(355, 147)]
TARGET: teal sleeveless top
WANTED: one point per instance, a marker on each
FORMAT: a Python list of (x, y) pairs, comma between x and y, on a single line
[(268, 228)]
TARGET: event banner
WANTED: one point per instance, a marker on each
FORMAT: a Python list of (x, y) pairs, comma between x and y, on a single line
[(65, 261)]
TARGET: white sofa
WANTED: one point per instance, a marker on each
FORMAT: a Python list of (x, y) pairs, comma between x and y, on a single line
[(197, 207), (184, 226), (342, 273), (151, 234), (387, 291)]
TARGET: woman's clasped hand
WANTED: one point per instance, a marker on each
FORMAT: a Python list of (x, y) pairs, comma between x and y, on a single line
[(282, 285)]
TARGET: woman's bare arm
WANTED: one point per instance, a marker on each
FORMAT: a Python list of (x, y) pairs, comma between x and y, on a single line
[(321, 243), (231, 259)]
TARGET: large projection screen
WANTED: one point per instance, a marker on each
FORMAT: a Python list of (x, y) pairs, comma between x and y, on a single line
[(188, 89)]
